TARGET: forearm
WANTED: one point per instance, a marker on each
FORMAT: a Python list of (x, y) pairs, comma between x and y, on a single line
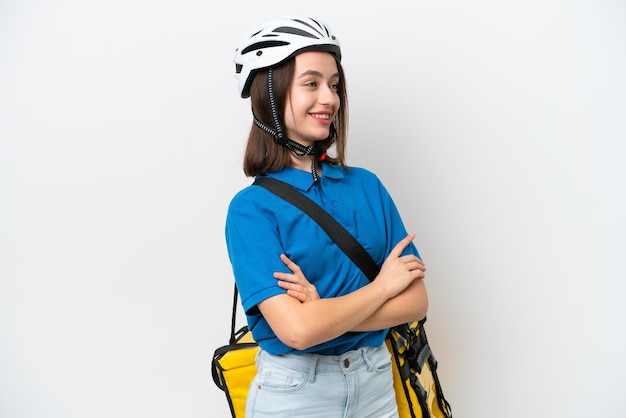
[(408, 306), (302, 325)]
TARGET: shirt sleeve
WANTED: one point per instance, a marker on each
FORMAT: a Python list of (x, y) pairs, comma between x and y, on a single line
[(254, 249), (396, 231)]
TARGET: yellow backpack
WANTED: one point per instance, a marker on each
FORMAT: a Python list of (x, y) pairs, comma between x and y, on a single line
[(234, 366)]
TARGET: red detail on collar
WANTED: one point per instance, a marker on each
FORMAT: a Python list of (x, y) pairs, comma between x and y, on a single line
[(322, 156)]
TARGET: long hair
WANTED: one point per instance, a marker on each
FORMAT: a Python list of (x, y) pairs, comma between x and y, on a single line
[(262, 153)]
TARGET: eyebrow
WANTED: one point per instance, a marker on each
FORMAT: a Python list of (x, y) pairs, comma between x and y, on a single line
[(316, 74)]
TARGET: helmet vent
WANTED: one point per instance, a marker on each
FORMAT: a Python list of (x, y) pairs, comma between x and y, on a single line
[(294, 31), (262, 45), (312, 27)]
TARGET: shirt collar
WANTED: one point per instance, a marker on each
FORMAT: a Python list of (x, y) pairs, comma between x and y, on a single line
[(303, 180)]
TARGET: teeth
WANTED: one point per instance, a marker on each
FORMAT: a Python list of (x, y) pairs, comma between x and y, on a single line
[(321, 116)]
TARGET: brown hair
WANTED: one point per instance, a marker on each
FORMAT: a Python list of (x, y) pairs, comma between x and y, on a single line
[(262, 153)]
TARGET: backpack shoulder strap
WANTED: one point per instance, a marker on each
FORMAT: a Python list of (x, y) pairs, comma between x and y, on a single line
[(334, 229)]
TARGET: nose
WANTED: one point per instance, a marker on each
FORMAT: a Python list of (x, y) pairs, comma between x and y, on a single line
[(328, 96)]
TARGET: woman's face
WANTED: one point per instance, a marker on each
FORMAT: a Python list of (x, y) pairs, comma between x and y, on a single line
[(313, 100)]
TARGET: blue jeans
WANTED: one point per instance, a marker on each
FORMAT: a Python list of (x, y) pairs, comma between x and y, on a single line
[(357, 384)]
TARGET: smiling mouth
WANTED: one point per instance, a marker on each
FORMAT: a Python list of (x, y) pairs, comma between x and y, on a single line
[(324, 116)]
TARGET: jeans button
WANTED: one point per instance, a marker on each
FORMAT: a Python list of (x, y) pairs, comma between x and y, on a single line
[(346, 363)]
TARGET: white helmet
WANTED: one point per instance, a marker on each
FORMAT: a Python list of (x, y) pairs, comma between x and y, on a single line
[(278, 40)]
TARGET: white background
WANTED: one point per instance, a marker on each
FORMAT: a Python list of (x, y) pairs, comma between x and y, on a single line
[(498, 127)]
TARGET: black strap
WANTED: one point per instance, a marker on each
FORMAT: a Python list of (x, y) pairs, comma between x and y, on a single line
[(233, 318), (334, 229)]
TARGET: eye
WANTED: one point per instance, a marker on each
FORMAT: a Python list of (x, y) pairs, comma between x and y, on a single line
[(335, 86)]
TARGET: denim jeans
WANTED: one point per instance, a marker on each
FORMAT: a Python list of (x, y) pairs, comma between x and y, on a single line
[(356, 384)]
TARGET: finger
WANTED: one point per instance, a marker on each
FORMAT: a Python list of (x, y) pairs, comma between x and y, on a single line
[(302, 297), (295, 292), (293, 289), (416, 265), (290, 264), (411, 258), (287, 277), (292, 286), (413, 267), (291, 277), (284, 284), (401, 245)]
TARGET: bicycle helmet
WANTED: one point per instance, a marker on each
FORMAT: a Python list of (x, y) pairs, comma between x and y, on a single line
[(278, 40)]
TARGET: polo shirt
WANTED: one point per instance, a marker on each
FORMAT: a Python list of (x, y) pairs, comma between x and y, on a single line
[(260, 226)]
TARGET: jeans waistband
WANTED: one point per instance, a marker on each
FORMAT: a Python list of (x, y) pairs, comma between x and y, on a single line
[(316, 363)]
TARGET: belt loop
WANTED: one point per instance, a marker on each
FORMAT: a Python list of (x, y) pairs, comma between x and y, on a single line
[(312, 367), (365, 352)]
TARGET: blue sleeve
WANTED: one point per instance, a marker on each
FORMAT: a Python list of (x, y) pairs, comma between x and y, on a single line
[(254, 249), (396, 230)]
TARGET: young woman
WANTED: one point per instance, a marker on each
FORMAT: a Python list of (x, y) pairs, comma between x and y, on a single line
[(320, 323)]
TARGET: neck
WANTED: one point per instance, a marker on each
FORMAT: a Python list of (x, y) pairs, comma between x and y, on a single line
[(301, 163)]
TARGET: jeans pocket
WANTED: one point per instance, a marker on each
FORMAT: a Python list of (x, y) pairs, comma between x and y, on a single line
[(276, 378), (379, 359)]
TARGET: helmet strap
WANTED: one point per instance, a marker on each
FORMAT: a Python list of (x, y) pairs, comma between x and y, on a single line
[(279, 136)]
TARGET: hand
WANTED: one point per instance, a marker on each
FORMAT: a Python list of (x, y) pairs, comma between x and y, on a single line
[(296, 284), (399, 271)]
